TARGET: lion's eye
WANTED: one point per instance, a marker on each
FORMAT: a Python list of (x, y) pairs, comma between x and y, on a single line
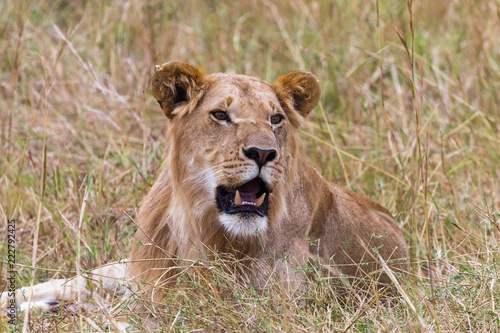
[(276, 119), (220, 115)]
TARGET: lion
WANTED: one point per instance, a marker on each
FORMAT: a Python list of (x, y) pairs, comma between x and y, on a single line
[(234, 181)]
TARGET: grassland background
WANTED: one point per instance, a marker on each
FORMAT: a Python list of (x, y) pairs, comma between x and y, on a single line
[(411, 120)]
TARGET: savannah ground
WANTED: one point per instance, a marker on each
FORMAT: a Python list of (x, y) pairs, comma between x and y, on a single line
[(409, 117)]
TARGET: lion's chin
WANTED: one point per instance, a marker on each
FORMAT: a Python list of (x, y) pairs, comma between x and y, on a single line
[(243, 224)]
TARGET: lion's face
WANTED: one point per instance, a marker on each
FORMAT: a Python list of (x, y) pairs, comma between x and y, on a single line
[(233, 139), (239, 139)]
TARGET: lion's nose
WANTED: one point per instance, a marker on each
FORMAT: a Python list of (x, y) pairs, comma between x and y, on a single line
[(261, 156)]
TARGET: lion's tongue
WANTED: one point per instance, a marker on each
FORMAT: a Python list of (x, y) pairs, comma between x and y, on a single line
[(246, 194)]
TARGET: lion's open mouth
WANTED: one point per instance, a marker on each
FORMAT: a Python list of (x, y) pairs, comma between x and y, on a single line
[(251, 197)]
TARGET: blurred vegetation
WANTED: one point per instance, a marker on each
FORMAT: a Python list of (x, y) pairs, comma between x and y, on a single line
[(409, 117)]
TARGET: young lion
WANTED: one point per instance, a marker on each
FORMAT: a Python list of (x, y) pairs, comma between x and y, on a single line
[(233, 181)]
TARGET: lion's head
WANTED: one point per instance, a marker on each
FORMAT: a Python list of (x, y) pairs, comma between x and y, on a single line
[(231, 144)]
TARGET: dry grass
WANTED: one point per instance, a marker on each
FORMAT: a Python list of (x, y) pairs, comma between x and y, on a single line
[(411, 120)]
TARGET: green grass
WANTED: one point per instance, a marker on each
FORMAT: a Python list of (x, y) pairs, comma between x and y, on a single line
[(411, 120)]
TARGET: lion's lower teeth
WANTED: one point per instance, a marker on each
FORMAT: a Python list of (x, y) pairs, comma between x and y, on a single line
[(237, 198), (239, 202), (260, 200)]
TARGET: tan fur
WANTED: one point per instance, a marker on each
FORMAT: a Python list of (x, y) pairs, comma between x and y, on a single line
[(179, 216)]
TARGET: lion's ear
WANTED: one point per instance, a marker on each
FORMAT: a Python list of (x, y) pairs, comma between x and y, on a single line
[(175, 83), (301, 89)]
